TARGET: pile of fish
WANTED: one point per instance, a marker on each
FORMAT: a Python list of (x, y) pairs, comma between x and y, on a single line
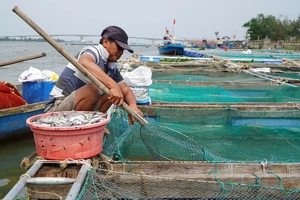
[(70, 118)]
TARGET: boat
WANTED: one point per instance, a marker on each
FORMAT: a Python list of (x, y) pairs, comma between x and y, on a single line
[(171, 49), (13, 120), (13, 117), (170, 46)]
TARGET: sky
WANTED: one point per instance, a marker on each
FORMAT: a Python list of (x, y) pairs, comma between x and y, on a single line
[(195, 19)]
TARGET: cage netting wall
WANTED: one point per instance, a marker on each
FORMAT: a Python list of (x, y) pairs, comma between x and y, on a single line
[(168, 92), (205, 76), (214, 135)]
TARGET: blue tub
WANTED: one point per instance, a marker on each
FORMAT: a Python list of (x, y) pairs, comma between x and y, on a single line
[(34, 92)]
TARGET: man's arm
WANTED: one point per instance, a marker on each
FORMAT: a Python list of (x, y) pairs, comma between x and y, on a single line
[(116, 95)]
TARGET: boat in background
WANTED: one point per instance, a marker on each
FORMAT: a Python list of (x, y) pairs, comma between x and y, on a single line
[(171, 49), (170, 46)]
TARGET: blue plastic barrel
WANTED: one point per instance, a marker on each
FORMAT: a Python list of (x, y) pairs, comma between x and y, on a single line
[(34, 92)]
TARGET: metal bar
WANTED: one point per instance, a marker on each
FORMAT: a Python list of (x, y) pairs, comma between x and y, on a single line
[(50, 180), (13, 193), (74, 191)]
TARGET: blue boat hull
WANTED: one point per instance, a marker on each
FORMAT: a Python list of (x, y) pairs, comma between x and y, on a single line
[(171, 49), (13, 120)]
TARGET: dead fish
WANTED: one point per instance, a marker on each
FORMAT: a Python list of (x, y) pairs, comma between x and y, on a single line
[(66, 119), (95, 120)]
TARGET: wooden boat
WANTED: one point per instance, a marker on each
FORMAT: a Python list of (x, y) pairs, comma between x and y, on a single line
[(13, 120)]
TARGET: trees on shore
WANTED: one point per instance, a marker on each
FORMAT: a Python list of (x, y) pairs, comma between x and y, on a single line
[(274, 28), (27, 39)]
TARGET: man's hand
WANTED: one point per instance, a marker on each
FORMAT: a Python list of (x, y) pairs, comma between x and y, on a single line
[(131, 119), (116, 95)]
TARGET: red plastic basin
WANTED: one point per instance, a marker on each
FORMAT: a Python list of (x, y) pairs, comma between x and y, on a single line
[(75, 142)]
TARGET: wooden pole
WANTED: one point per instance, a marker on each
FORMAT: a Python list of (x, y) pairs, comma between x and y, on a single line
[(71, 59), (22, 59)]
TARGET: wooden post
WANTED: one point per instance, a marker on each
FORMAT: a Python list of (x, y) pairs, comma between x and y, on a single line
[(22, 59)]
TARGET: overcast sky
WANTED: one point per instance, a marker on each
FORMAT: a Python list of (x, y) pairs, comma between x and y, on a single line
[(195, 19)]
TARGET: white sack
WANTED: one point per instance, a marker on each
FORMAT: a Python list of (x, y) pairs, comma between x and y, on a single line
[(141, 76)]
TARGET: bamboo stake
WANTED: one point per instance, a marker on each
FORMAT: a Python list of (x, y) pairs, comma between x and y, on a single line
[(22, 59), (71, 59)]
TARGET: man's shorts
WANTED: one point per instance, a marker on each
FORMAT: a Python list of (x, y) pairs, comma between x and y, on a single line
[(64, 104)]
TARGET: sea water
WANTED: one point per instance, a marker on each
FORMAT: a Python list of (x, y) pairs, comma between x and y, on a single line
[(12, 153)]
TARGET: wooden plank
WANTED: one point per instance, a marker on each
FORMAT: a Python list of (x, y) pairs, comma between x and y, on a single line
[(22, 109), (244, 173), (194, 167), (151, 109), (290, 181)]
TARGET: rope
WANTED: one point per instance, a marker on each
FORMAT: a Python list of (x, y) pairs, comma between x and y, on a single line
[(264, 164), (257, 183), (223, 184), (25, 175), (286, 191), (28, 161), (67, 161)]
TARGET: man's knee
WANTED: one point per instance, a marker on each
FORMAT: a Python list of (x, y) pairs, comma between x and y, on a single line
[(104, 103), (87, 97)]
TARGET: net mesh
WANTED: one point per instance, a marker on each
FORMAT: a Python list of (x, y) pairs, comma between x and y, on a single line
[(9, 96), (215, 135), (116, 185)]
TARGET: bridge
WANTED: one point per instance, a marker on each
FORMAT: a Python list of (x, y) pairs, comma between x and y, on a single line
[(82, 36)]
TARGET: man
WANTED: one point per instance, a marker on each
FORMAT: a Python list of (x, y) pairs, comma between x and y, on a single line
[(74, 91)]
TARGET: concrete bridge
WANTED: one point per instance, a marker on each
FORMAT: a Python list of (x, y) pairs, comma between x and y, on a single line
[(82, 36)]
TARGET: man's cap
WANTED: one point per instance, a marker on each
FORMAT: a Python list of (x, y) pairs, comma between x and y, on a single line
[(117, 34)]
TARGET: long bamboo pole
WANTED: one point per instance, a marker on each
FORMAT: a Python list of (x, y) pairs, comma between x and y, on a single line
[(22, 59), (71, 59)]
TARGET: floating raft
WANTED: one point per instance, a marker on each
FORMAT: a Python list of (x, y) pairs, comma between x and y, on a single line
[(205, 59), (256, 60), (196, 180), (159, 58)]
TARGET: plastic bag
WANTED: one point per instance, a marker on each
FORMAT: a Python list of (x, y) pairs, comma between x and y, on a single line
[(34, 74), (141, 76)]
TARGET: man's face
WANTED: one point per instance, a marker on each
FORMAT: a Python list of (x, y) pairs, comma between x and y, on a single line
[(114, 50)]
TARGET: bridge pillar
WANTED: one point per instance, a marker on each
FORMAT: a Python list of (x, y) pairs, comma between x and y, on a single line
[(153, 42), (82, 39)]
